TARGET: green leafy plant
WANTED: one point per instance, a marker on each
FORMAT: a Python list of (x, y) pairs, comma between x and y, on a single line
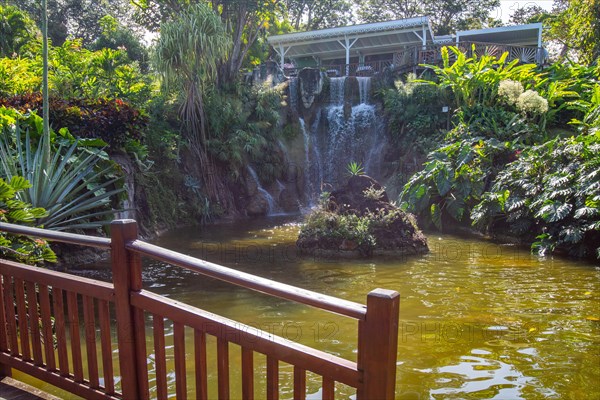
[(414, 111), (77, 185), (453, 179), (549, 196), (374, 193), (15, 211), (475, 80), (113, 121), (355, 169)]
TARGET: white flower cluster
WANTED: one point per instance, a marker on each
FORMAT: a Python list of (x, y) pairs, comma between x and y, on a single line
[(510, 91), (526, 101), (531, 102)]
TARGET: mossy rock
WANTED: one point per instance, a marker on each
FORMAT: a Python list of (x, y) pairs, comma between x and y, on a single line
[(357, 221)]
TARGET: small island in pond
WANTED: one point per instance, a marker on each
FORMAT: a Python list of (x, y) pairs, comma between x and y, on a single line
[(358, 220)]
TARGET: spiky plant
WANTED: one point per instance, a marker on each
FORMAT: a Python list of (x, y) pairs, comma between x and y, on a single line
[(187, 54), (70, 186)]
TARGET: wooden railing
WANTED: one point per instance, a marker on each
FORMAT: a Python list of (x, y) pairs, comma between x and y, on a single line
[(431, 54), (357, 69), (39, 308)]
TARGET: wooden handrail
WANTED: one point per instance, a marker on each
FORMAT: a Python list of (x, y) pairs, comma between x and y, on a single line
[(243, 279), (250, 337), (63, 237), (39, 307)]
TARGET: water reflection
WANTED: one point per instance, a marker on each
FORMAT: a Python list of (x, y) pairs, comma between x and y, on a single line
[(477, 319)]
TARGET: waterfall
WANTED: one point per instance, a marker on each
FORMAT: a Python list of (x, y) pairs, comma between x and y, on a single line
[(313, 173), (294, 94), (261, 190), (336, 90), (338, 137), (364, 87)]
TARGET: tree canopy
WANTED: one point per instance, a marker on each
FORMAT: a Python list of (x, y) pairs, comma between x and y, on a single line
[(17, 30), (446, 15), (75, 18), (317, 14)]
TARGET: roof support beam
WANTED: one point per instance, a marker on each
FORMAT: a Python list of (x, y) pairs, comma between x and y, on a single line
[(347, 46), (281, 51)]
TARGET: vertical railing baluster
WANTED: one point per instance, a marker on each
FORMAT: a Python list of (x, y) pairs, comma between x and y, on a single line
[(34, 323), (247, 374), (272, 378), (89, 324), (47, 327), (201, 365), (179, 350), (299, 383), (158, 326), (377, 345), (140, 352), (74, 334), (61, 334), (22, 319), (5, 370), (329, 389), (223, 368), (106, 345)]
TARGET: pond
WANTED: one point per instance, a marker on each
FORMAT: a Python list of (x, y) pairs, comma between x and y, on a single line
[(477, 319)]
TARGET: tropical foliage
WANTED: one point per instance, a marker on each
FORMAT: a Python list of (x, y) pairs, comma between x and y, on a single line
[(501, 167), (453, 179), (550, 193), (77, 185), (77, 73), (114, 121), (187, 55), (17, 32), (414, 113), (15, 211), (244, 126)]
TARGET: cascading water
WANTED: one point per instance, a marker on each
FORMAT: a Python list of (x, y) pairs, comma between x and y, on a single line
[(261, 190), (364, 87), (337, 88), (293, 98), (345, 133)]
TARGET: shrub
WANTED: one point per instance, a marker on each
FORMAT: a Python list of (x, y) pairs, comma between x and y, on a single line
[(453, 180), (113, 121), (550, 194)]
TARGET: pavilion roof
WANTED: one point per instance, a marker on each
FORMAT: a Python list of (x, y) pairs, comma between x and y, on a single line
[(517, 35), (375, 38)]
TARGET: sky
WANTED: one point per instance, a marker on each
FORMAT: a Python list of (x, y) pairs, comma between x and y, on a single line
[(508, 7)]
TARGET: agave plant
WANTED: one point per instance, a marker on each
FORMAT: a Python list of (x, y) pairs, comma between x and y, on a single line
[(70, 186), (354, 168)]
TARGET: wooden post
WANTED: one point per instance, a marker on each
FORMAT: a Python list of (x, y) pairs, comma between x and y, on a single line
[(378, 345), (127, 277)]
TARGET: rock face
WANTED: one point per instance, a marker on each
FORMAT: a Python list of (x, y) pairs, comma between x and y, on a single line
[(311, 85), (351, 198), (359, 221)]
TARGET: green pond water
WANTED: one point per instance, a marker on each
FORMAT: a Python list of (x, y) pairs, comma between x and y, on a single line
[(478, 320)]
